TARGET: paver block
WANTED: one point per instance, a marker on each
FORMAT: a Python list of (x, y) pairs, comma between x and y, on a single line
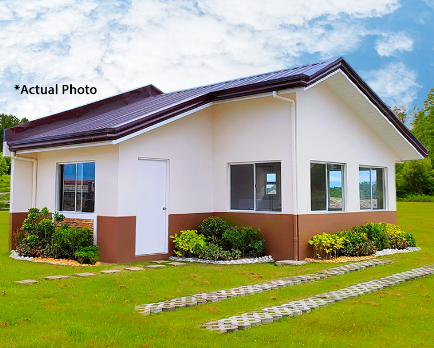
[(155, 266), (110, 271), (26, 282), (56, 277), (177, 264), (135, 269), (85, 274), (160, 261), (291, 263)]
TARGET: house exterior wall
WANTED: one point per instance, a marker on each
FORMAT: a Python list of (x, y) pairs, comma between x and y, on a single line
[(199, 148), (251, 130), (328, 130), (21, 186), (106, 160)]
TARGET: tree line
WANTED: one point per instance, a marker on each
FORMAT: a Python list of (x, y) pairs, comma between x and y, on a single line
[(7, 121), (417, 177)]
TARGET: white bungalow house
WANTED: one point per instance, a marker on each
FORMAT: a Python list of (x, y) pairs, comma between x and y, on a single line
[(294, 152)]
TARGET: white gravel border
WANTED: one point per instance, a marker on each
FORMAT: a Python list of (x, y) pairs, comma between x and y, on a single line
[(396, 251), (263, 259), (14, 254)]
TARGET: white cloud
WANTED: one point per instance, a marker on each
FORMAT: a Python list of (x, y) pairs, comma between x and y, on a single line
[(117, 46), (395, 84), (429, 3), (391, 43)]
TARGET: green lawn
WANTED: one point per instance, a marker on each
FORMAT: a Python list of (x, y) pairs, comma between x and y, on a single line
[(99, 311)]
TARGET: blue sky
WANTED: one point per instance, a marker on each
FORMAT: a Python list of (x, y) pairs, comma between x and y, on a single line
[(117, 46)]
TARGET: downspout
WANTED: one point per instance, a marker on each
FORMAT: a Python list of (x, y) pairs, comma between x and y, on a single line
[(294, 172), (34, 170)]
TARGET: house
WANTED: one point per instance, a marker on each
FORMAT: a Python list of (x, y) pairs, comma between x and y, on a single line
[(294, 152)]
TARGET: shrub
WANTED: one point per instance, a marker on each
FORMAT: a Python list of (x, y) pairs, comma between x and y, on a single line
[(410, 239), (415, 198), (88, 254), (374, 232), (396, 237), (246, 239), (216, 252), (213, 228), (68, 240), (189, 243), (365, 249), (39, 236), (326, 245), (352, 242)]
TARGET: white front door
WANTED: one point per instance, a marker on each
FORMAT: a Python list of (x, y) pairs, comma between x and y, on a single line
[(151, 216)]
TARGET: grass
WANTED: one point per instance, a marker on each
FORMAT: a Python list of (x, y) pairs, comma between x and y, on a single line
[(99, 311)]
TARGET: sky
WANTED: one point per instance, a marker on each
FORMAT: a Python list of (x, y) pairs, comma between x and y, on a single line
[(117, 46)]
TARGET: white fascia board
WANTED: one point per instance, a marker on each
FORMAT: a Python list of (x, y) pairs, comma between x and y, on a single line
[(260, 95), (323, 79), (66, 147), (369, 101)]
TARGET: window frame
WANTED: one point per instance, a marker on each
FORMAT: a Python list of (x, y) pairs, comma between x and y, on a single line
[(254, 187), (385, 187), (58, 184), (344, 183)]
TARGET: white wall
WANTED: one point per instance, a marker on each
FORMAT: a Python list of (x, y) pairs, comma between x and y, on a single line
[(329, 131), (21, 186), (106, 176), (187, 144), (251, 130)]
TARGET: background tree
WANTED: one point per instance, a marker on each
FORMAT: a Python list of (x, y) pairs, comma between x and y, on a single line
[(423, 124), (417, 177), (7, 121)]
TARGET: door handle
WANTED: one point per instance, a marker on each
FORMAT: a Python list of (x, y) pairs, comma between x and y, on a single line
[(164, 208)]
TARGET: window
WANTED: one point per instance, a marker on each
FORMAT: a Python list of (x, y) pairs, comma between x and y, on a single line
[(326, 186), (372, 188), (256, 186), (77, 187)]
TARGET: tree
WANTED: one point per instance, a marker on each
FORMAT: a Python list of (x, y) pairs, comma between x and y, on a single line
[(4, 167), (415, 177), (423, 124), (7, 121)]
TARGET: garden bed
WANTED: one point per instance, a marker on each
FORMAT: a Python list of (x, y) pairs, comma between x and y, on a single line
[(62, 262), (262, 259)]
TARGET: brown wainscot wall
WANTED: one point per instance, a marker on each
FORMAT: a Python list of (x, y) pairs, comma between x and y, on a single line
[(15, 222), (116, 236), (312, 224), (277, 230)]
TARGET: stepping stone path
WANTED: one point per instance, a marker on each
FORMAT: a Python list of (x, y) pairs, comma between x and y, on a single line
[(56, 277), (155, 266), (215, 296), (176, 264), (27, 282), (267, 315), (135, 269), (84, 274), (111, 271), (108, 271)]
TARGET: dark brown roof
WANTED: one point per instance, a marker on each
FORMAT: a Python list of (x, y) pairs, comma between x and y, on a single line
[(121, 115)]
